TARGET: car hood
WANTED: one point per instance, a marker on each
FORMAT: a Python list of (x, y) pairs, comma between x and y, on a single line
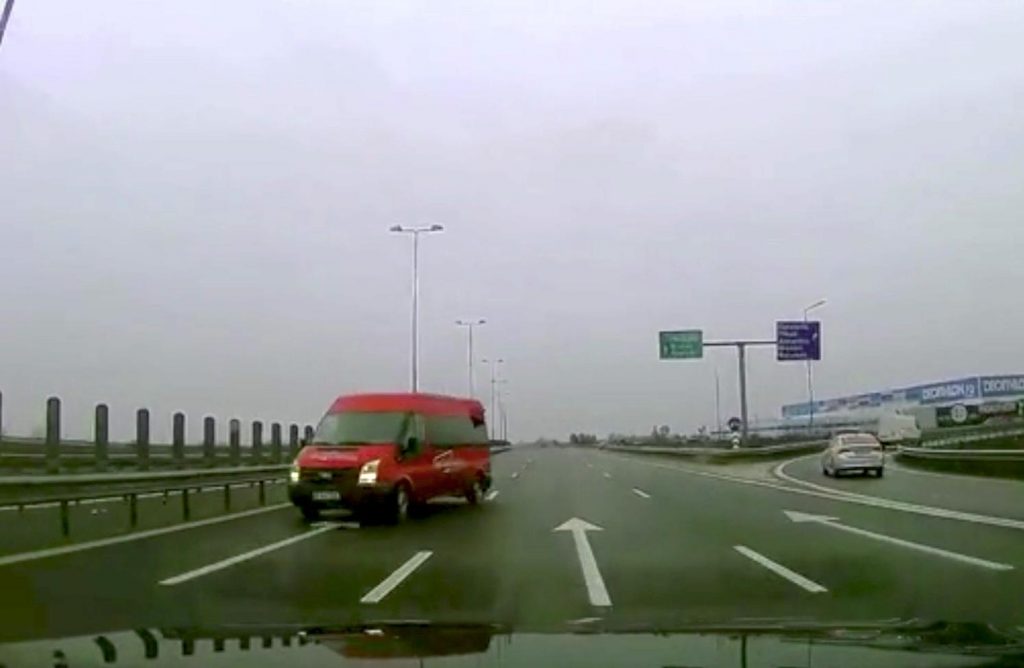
[(424, 644)]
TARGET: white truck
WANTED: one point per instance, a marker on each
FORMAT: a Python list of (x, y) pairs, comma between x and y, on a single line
[(891, 429), (898, 429)]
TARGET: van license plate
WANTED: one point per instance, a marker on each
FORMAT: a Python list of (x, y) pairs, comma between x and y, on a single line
[(326, 496)]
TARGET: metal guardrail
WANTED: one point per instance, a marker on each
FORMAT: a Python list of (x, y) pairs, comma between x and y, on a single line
[(724, 453), (962, 455), (1000, 463), (974, 438), (64, 491)]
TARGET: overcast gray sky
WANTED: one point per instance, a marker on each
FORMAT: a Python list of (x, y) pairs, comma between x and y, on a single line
[(195, 198)]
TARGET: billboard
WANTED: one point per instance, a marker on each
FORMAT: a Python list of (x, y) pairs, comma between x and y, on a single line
[(960, 415), (1002, 386), (970, 390), (963, 389)]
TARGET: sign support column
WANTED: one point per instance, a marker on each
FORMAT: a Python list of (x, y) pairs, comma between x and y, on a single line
[(741, 353), (741, 350), (800, 340)]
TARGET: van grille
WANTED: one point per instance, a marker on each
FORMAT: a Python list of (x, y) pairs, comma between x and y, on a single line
[(330, 476)]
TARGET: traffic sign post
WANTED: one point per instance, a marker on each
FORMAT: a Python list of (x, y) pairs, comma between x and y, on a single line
[(797, 340), (681, 345)]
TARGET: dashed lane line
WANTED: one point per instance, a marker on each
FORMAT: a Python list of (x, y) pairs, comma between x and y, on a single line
[(641, 493), (246, 556), (377, 594)]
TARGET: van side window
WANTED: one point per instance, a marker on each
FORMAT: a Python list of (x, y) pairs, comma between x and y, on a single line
[(452, 431)]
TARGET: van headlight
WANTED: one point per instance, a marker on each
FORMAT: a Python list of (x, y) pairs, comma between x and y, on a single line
[(368, 473), (294, 473)]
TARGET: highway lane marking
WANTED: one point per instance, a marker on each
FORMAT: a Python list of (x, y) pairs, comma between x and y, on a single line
[(781, 570), (608, 475), (127, 538), (833, 522), (846, 497), (337, 525), (891, 504), (641, 493), (377, 594), (585, 620), (596, 591), (246, 556), (491, 495), (515, 475)]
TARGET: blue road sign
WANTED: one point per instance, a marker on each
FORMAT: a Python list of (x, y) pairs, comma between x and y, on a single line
[(796, 340)]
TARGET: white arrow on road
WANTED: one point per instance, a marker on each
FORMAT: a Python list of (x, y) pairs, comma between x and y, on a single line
[(955, 556), (591, 575)]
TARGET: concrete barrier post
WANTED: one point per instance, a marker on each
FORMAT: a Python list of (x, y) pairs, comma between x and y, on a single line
[(257, 442), (275, 443), (142, 438), (178, 440), (307, 436), (235, 441), (293, 441), (101, 435), (209, 440), (53, 435)]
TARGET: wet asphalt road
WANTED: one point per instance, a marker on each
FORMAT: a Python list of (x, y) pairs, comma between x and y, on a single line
[(668, 544)]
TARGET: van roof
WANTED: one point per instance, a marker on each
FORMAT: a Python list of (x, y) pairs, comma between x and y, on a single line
[(428, 404)]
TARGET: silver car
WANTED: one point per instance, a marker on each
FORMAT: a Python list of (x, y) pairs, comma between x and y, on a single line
[(853, 452)]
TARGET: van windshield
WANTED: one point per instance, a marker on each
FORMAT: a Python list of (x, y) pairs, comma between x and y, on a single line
[(360, 428)]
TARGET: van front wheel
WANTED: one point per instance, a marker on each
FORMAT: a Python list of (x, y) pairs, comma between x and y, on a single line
[(398, 507), (475, 492)]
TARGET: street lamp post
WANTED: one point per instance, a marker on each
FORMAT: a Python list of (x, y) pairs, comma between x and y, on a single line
[(5, 17), (494, 382), (503, 410), (469, 325), (416, 232), (810, 375)]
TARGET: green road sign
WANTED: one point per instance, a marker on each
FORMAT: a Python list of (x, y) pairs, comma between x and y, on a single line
[(686, 344)]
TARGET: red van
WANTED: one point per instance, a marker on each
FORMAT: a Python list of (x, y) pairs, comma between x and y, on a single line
[(380, 454)]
